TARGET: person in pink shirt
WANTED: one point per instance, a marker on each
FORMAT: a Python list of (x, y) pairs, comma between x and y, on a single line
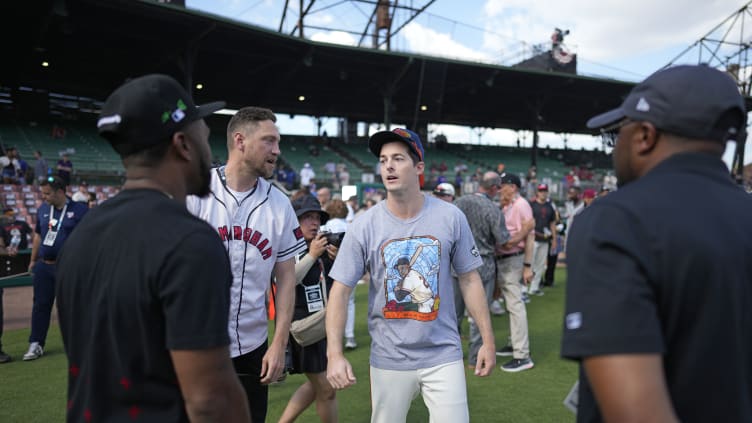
[(512, 266)]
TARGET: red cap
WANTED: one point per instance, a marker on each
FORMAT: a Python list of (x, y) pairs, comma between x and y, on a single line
[(588, 193), (542, 187)]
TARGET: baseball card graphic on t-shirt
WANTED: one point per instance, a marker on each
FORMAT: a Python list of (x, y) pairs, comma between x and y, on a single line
[(411, 278)]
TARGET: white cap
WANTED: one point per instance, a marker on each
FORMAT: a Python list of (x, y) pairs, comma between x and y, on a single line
[(444, 188)]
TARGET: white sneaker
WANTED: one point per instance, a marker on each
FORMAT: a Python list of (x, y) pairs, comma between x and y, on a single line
[(35, 351), (350, 344), (496, 308)]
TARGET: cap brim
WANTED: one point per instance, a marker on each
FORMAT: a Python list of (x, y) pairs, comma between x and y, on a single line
[(205, 110), (606, 119), (378, 139), (324, 215)]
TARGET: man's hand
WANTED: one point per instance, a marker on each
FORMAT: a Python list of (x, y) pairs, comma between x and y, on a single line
[(339, 372), (486, 360), (272, 365), (527, 275)]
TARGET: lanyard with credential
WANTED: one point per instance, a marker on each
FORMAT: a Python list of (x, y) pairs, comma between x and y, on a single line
[(62, 216), (49, 240)]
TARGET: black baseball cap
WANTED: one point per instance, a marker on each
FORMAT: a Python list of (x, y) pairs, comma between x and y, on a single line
[(146, 111), (511, 178), (309, 203), (686, 100), (407, 136)]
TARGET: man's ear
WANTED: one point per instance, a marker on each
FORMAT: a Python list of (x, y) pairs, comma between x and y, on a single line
[(181, 145), (238, 140), (645, 138)]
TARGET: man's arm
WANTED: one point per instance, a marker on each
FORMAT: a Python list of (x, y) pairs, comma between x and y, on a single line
[(640, 395), (527, 271), (273, 363), (552, 228), (477, 305), (526, 229), (339, 372), (209, 385), (36, 240)]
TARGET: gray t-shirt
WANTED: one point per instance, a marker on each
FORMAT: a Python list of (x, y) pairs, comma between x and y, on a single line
[(411, 318)]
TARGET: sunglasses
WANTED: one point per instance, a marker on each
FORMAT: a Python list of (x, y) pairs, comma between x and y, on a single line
[(610, 133)]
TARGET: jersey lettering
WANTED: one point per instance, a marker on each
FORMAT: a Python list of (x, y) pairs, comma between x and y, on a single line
[(247, 235)]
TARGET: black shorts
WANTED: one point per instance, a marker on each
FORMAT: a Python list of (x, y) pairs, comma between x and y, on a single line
[(248, 368)]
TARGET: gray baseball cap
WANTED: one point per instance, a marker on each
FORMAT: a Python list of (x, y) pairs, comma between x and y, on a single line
[(685, 100)]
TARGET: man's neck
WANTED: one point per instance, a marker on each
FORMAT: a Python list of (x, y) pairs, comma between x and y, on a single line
[(145, 178), (238, 177), (406, 204)]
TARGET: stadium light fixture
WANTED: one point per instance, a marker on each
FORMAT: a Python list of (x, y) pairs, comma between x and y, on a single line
[(423, 107), (45, 64), (199, 86), (301, 98)]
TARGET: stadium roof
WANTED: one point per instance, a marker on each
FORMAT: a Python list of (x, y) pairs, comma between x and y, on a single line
[(92, 46)]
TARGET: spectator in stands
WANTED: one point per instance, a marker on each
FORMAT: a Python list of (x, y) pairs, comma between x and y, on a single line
[(10, 166), (544, 214), (306, 175), (513, 264), (344, 175), (56, 219), (352, 208), (65, 168), (291, 177), (41, 170), (22, 173), (82, 195)]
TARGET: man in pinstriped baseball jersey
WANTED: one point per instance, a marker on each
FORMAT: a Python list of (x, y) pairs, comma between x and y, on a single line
[(261, 233)]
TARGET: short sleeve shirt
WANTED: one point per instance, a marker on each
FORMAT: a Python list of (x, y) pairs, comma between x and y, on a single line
[(515, 214), (62, 221), (138, 278), (662, 266), (412, 319), (486, 222)]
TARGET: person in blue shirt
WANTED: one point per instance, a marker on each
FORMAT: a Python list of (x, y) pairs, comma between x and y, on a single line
[(56, 219)]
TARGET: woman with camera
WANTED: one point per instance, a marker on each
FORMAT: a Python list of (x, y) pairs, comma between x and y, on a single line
[(313, 285)]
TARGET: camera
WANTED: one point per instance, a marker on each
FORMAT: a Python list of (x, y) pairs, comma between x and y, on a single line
[(333, 238)]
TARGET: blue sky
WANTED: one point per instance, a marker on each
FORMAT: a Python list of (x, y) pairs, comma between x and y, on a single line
[(624, 40)]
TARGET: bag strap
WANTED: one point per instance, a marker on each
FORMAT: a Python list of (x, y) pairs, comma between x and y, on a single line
[(322, 280)]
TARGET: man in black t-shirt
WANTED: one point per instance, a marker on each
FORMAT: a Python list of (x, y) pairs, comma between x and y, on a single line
[(143, 286), (659, 285), (545, 235)]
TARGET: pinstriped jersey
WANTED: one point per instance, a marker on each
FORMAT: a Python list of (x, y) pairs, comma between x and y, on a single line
[(258, 228)]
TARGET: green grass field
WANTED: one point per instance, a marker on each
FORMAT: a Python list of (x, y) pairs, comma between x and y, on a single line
[(35, 391)]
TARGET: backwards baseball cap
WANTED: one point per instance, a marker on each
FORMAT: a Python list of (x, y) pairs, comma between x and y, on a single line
[(687, 100), (511, 178), (542, 187), (588, 193), (407, 136), (444, 188), (309, 203), (146, 111)]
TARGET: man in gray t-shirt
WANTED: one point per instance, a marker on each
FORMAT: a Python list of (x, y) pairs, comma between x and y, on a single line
[(409, 243)]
